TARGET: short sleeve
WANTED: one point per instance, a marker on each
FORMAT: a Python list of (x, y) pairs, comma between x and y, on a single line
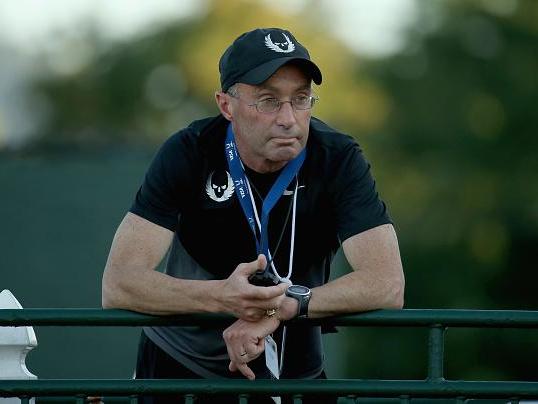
[(167, 183), (356, 203)]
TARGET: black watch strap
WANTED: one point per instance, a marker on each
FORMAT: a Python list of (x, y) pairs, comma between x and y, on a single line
[(303, 306)]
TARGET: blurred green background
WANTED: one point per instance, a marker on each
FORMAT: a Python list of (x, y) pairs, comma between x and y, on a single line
[(447, 117)]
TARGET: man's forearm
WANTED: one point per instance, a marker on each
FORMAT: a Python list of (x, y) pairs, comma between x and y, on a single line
[(134, 287), (131, 282), (377, 281), (354, 292), (153, 292)]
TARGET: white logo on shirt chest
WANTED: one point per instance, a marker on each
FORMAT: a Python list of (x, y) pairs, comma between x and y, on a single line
[(219, 186)]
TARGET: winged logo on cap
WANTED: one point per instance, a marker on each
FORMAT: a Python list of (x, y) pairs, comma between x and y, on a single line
[(284, 47)]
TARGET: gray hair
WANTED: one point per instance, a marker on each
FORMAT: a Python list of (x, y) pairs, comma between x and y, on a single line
[(233, 91)]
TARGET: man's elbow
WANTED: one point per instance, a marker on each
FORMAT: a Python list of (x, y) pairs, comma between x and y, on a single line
[(110, 293), (107, 302), (398, 303), (107, 299), (397, 294)]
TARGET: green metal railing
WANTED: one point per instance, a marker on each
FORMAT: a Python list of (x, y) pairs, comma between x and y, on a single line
[(434, 386)]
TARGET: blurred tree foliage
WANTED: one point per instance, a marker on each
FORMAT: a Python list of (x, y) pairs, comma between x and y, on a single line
[(449, 123), (461, 139), (145, 89), (459, 158)]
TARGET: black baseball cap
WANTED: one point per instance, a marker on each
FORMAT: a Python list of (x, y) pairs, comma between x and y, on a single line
[(255, 55)]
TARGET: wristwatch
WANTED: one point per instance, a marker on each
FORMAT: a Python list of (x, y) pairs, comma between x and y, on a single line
[(302, 294)]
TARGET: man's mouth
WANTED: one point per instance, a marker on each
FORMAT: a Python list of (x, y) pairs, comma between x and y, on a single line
[(285, 139)]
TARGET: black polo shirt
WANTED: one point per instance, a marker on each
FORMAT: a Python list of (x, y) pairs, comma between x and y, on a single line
[(188, 190)]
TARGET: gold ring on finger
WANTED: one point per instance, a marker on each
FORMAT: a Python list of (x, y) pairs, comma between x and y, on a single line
[(270, 312)]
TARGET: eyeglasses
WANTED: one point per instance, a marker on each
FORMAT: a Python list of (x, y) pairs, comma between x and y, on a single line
[(272, 105)]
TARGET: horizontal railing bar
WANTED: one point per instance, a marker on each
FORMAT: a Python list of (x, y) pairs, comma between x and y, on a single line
[(100, 317), (338, 387), (384, 318)]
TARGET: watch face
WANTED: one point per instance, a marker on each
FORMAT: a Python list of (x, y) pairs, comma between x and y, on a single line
[(299, 289)]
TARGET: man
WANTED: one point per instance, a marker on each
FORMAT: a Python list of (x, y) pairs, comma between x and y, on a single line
[(262, 189)]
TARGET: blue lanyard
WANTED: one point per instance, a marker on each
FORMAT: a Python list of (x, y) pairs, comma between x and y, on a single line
[(237, 173)]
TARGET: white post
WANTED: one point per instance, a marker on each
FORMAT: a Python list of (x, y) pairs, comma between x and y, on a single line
[(15, 343)]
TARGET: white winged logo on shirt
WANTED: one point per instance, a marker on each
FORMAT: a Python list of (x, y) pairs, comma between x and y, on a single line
[(219, 187), (284, 47)]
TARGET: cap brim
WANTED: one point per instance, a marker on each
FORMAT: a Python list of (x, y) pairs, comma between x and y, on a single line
[(261, 73)]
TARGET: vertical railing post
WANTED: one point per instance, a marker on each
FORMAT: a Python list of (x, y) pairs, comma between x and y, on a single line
[(189, 398), (297, 399), (436, 352)]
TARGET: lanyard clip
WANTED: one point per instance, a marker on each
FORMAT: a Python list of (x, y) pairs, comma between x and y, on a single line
[(264, 277)]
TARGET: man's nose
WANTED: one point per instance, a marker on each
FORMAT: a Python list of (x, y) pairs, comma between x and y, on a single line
[(286, 114)]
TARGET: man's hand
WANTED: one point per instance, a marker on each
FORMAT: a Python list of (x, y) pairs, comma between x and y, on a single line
[(245, 341), (246, 301)]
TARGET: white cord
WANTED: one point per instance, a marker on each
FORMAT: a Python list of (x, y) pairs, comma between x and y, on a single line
[(282, 348), (287, 278), (292, 241)]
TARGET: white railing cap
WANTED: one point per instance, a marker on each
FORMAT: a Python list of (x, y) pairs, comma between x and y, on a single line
[(15, 343), (15, 335)]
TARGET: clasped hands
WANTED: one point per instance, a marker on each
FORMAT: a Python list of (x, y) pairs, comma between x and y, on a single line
[(259, 311)]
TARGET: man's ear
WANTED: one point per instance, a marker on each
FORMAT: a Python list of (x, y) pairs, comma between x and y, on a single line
[(223, 102)]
